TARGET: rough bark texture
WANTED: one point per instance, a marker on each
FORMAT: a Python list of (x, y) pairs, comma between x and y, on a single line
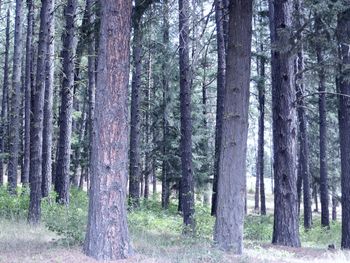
[(27, 91), (228, 231), (107, 233), (187, 183), (343, 34), (15, 97), (48, 104), (286, 221), (4, 102), (66, 110), (220, 86), (36, 131), (324, 196)]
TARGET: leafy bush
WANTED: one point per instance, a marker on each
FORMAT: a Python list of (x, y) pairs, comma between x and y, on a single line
[(258, 228), (67, 221), (14, 207)]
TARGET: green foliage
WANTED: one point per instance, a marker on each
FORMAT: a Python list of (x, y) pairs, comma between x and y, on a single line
[(67, 221), (14, 207), (258, 228)]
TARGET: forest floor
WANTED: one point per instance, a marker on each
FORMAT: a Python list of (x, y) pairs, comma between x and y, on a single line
[(156, 235), (20, 243)]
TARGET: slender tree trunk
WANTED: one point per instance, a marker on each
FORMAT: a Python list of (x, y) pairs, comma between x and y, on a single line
[(315, 198), (343, 33), (257, 188), (165, 115), (107, 235), (261, 132), (220, 86), (135, 158), (27, 92), (36, 131), (48, 104), (334, 206), (4, 103), (286, 221), (15, 97), (187, 183), (65, 118), (324, 196), (228, 230)]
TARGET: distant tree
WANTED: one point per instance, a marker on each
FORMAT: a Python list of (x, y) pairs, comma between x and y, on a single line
[(4, 101), (107, 235), (286, 221), (228, 231), (324, 196), (15, 97)]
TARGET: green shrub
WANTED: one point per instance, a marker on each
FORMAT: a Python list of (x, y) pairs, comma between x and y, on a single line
[(14, 207), (258, 228)]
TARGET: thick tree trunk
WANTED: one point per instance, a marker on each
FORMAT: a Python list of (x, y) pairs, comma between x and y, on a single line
[(65, 118), (48, 104), (187, 182), (220, 86), (286, 221), (15, 97), (343, 34), (107, 235), (324, 196), (4, 102), (228, 230), (36, 131), (165, 115), (27, 92)]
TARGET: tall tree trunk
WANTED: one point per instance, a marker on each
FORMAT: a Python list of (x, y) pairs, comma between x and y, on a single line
[(27, 92), (48, 104), (343, 34), (4, 103), (165, 115), (187, 183), (220, 86), (302, 123), (107, 235), (135, 158), (286, 221), (65, 118), (261, 132), (257, 188), (315, 198), (15, 97), (228, 230), (324, 196), (36, 131)]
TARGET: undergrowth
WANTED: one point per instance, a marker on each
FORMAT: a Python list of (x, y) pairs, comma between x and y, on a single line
[(161, 228)]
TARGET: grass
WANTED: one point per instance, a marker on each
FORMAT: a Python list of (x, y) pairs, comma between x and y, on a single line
[(155, 234)]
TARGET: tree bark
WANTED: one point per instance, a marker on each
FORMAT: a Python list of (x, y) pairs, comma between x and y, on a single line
[(36, 131), (343, 33), (27, 91), (228, 230), (187, 182), (4, 103), (324, 196), (286, 221), (48, 104), (15, 97), (107, 235), (220, 86), (65, 118)]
